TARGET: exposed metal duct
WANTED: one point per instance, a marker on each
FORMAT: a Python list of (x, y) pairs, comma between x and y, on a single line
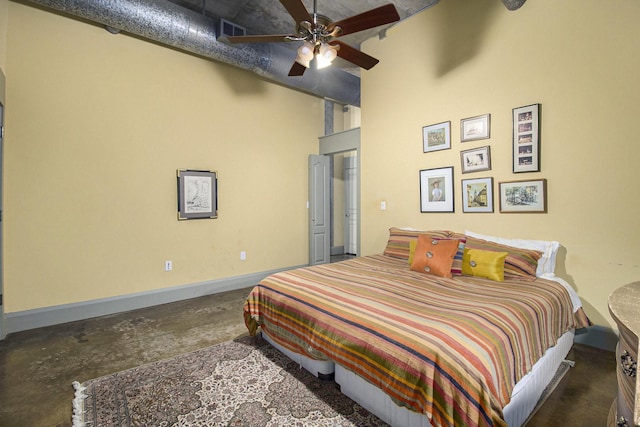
[(172, 25), (513, 4)]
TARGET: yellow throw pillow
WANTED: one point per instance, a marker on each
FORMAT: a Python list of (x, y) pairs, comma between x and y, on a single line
[(412, 250), (433, 256), (488, 264)]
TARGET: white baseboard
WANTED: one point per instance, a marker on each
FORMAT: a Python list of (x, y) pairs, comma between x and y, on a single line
[(48, 316)]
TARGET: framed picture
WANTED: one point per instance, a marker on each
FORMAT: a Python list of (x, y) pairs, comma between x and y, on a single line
[(524, 196), (476, 159), (473, 128), (526, 139), (477, 195), (436, 190), (197, 194), (436, 137)]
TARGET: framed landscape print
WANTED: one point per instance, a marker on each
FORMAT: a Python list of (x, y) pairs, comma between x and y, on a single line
[(526, 139), (436, 190), (477, 195), (523, 196), (197, 194), (436, 137), (473, 128)]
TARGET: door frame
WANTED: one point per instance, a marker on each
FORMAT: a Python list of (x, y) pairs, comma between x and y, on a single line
[(341, 142), (349, 199), (3, 331)]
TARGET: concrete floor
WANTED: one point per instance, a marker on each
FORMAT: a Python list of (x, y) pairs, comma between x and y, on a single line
[(37, 367)]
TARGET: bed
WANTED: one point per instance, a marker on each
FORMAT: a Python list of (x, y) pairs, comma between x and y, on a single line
[(441, 329)]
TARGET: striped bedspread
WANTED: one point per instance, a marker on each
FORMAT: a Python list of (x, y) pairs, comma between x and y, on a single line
[(451, 349)]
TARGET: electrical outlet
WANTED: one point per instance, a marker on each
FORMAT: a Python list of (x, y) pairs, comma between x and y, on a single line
[(168, 266), (243, 255)]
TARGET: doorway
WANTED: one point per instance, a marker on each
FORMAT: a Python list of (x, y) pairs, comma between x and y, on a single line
[(3, 333), (344, 209), (339, 144)]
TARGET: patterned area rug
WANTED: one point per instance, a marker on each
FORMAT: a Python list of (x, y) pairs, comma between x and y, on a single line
[(245, 382)]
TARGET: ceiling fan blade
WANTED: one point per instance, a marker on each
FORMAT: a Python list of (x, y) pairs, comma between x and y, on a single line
[(355, 56), (261, 38), (375, 17), (297, 10), (297, 69)]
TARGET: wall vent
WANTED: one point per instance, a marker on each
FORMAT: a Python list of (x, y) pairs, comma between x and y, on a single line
[(230, 29)]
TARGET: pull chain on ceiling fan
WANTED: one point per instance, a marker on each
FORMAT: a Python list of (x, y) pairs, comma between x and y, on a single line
[(318, 34)]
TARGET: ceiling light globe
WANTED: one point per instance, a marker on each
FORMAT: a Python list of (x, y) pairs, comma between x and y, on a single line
[(326, 55), (305, 54)]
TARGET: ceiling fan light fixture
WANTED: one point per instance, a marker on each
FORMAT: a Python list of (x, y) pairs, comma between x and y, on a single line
[(326, 54), (305, 54)]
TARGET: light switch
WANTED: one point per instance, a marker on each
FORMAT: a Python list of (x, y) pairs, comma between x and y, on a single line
[(383, 205)]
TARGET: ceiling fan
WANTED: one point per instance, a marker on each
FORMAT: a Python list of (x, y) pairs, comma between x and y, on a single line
[(319, 33)]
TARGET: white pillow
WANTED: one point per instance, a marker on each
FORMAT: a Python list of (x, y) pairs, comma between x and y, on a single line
[(549, 249)]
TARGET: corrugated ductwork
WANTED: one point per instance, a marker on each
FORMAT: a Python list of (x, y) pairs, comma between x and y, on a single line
[(172, 25), (513, 4)]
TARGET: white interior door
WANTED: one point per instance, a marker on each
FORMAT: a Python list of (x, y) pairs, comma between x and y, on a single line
[(319, 212), (350, 205)]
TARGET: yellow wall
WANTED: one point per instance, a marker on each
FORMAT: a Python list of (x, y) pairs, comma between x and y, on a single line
[(580, 60), (4, 19), (97, 125)]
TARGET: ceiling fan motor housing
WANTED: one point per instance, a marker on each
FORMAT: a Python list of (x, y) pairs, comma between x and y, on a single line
[(317, 32)]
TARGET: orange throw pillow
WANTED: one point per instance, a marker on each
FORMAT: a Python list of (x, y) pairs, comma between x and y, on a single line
[(434, 256)]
